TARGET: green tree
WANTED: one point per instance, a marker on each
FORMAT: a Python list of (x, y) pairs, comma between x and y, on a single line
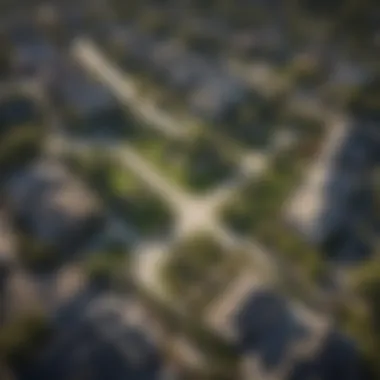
[(108, 268), (21, 338), (362, 318), (19, 145)]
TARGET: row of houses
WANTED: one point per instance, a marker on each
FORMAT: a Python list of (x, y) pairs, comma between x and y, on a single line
[(209, 89), (108, 337), (75, 93), (52, 204), (38, 33), (275, 337), (279, 339), (97, 334)]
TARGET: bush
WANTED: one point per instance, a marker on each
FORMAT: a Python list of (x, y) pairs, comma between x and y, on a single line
[(100, 270), (205, 165), (366, 101), (22, 337), (154, 22), (35, 254), (106, 268), (20, 145), (190, 263)]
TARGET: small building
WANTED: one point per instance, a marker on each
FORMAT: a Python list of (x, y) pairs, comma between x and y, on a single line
[(273, 334), (138, 47), (32, 52), (346, 74), (53, 205), (266, 43), (210, 27), (165, 55), (79, 93), (181, 69), (109, 344), (185, 74), (216, 97)]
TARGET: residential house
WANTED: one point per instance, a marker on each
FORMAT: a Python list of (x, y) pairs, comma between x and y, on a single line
[(138, 46), (267, 43), (79, 92), (84, 103), (53, 205), (111, 341), (209, 90), (212, 28), (32, 52), (216, 97), (182, 69), (279, 339), (275, 335), (345, 74), (185, 75)]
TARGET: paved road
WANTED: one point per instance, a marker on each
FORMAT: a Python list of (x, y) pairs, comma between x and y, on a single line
[(124, 89), (307, 203), (252, 166), (130, 159), (194, 214)]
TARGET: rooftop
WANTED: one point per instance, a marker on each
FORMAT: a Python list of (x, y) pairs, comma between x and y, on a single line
[(109, 342), (79, 91), (53, 202)]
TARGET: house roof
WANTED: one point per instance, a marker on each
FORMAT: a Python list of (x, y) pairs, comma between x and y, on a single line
[(54, 202), (108, 344), (214, 96), (80, 91)]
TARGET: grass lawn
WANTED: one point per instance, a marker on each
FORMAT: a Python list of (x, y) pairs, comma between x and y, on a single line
[(195, 165), (125, 194), (198, 271), (22, 130), (257, 212), (136, 204), (190, 263), (261, 200)]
